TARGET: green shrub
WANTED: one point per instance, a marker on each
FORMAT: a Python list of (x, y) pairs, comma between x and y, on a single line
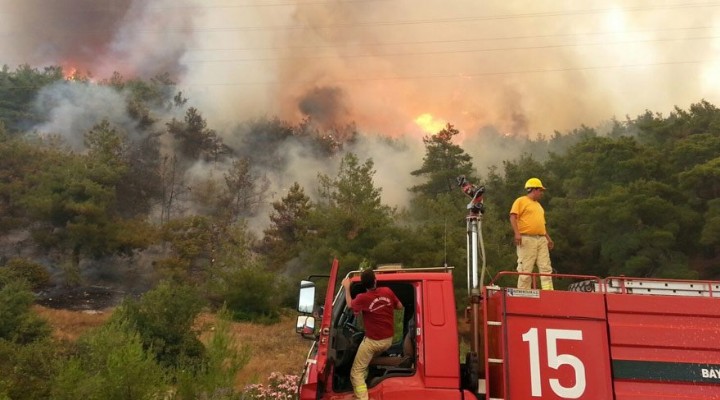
[(27, 371), (164, 318), (34, 273), (17, 321), (111, 364), (252, 294), (173, 269), (216, 377)]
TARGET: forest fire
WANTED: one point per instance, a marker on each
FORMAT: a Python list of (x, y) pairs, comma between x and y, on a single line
[(73, 71), (429, 124), (69, 73)]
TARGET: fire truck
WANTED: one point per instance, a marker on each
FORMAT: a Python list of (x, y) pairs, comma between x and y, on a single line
[(603, 338)]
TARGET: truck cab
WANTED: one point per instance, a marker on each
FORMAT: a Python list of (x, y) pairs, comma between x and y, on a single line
[(423, 360)]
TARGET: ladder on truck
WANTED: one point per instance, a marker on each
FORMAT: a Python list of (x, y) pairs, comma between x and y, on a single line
[(648, 286), (494, 363), (495, 386)]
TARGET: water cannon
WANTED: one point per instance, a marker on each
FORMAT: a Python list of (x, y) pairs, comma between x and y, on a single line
[(475, 193), (475, 252)]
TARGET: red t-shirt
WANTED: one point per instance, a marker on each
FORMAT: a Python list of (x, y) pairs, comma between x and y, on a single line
[(378, 310)]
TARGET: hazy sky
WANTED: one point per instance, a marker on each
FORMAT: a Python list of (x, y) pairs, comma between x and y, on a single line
[(522, 67)]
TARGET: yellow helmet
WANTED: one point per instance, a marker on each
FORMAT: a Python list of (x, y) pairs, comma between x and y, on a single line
[(534, 183)]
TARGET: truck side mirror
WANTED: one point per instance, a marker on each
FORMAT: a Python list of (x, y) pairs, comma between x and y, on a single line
[(306, 299), (305, 326)]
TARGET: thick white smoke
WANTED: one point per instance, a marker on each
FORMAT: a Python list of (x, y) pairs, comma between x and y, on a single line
[(75, 108)]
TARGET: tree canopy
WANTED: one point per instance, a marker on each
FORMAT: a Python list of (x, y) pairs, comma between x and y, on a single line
[(639, 198)]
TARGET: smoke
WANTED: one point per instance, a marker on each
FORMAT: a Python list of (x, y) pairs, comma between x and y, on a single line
[(75, 108), (395, 69), (522, 68), (72, 31), (324, 106), (493, 69), (135, 38)]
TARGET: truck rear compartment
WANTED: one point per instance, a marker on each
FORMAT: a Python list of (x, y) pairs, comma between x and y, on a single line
[(603, 344)]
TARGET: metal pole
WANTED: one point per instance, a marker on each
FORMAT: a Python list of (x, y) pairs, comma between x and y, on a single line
[(468, 250), (473, 286), (482, 252)]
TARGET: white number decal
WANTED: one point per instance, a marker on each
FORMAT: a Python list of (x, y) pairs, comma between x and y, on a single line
[(531, 336), (554, 361)]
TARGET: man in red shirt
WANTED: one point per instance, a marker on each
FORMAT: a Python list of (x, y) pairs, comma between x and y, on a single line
[(377, 305)]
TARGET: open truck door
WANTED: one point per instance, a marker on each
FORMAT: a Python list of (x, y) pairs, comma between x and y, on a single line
[(317, 373)]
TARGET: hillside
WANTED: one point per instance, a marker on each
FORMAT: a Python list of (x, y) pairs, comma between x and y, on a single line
[(274, 348)]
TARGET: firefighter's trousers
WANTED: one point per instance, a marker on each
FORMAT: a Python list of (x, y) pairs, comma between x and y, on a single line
[(368, 349), (532, 250)]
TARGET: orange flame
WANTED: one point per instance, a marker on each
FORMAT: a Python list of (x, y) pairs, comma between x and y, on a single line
[(70, 73), (430, 124)]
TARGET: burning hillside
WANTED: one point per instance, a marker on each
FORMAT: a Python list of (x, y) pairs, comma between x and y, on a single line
[(517, 68)]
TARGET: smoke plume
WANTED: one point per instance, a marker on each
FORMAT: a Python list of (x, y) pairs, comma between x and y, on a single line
[(134, 38), (398, 69)]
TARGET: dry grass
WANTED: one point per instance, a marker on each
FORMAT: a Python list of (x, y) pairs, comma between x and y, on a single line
[(69, 325), (274, 348)]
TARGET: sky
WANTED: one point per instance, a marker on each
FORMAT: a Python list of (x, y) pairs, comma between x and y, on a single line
[(397, 68)]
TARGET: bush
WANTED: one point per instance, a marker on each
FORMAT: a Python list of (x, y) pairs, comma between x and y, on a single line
[(252, 295), (164, 319), (111, 364), (34, 273), (27, 371), (216, 378), (18, 323)]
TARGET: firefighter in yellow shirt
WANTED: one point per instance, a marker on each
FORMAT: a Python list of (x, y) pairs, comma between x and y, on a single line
[(527, 218)]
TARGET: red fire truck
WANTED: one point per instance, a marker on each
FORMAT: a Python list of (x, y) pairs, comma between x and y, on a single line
[(611, 338)]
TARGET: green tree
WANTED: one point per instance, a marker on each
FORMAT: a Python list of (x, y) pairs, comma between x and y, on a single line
[(164, 319), (193, 137), (145, 96), (444, 161), (439, 207), (73, 197), (245, 190), (349, 219), (635, 229), (702, 180), (215, 379), (107, 150), (27, 370), (193, 241), (18, 323), (18, 90), (20, 159), (288, 228), (140, 188), (710, 235)]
